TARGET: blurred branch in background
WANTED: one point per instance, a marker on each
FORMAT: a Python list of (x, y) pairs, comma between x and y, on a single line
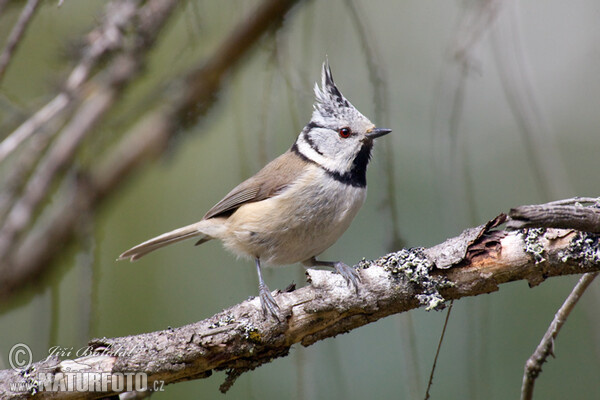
[(82, 105), (33, 233), (381, 101), (499, 18), (16, 34), (452, 159), (108, 38), (514, 71), (240, 338)]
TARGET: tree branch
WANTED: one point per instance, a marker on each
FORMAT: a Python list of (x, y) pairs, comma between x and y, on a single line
[(105, 39), (89, 111), (533, 366), (240, 339), (567, 214), (16, 34)]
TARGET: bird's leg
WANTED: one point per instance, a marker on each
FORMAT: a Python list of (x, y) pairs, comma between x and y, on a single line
[(350, 275), (268, 303)]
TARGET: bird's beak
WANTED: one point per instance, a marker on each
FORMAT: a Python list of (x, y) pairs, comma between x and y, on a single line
[(377, 132)]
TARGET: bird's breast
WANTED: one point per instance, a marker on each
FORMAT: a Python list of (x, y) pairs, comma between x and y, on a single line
[(301, 222)]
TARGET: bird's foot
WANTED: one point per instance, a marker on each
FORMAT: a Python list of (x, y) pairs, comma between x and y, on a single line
[(350, 275), (267, 302)]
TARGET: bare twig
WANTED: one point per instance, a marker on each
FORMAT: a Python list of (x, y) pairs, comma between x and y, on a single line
[(240, 338), (45, 114), (105, 39), (437, 352), (207, 78), (80, 194), (533, 366), (16, 34), (60, 156), (55, 161)]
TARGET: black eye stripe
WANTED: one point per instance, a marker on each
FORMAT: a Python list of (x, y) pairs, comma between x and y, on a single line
[(311, 125)]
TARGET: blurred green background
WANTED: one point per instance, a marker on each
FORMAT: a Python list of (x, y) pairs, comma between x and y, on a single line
[(453, 74)]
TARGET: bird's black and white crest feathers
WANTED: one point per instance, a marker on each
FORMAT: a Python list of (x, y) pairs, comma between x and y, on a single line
[(331, 106)]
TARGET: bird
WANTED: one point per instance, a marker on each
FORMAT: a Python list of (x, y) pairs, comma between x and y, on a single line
[(299, 204)]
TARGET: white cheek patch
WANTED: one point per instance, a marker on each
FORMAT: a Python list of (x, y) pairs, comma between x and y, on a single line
[(309, 152)]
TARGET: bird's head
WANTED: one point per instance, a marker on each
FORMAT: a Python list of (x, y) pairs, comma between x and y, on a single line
[(338, 137)]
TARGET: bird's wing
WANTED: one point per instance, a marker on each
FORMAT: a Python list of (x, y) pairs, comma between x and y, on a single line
[(233, 200), (268, 182)]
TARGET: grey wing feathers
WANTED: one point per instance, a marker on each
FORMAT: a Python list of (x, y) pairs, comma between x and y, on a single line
[(233, 200), (268, 182)]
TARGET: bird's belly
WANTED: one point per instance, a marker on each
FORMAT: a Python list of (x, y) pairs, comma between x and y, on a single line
[(293, 227)]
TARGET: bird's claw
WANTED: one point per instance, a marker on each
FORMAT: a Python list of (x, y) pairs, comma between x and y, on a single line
[(267, 302), (350, 275)]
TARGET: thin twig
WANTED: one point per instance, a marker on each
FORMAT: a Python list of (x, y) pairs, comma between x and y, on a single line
[(106, 38), (533, 366), (91, 109), (21, 168), (41, 117), (437, 352), (54, 162), (16, 35)]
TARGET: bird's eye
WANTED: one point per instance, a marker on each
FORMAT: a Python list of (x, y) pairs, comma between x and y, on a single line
[(345, 132)]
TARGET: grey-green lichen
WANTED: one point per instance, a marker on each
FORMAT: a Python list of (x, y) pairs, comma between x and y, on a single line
[(533, 244), (584, 248), (413, 265), (223, 321)]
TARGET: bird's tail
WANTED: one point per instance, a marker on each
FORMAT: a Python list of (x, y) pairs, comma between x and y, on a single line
[(166, 239)]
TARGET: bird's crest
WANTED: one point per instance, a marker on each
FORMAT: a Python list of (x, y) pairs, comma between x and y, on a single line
[(331, 105)]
